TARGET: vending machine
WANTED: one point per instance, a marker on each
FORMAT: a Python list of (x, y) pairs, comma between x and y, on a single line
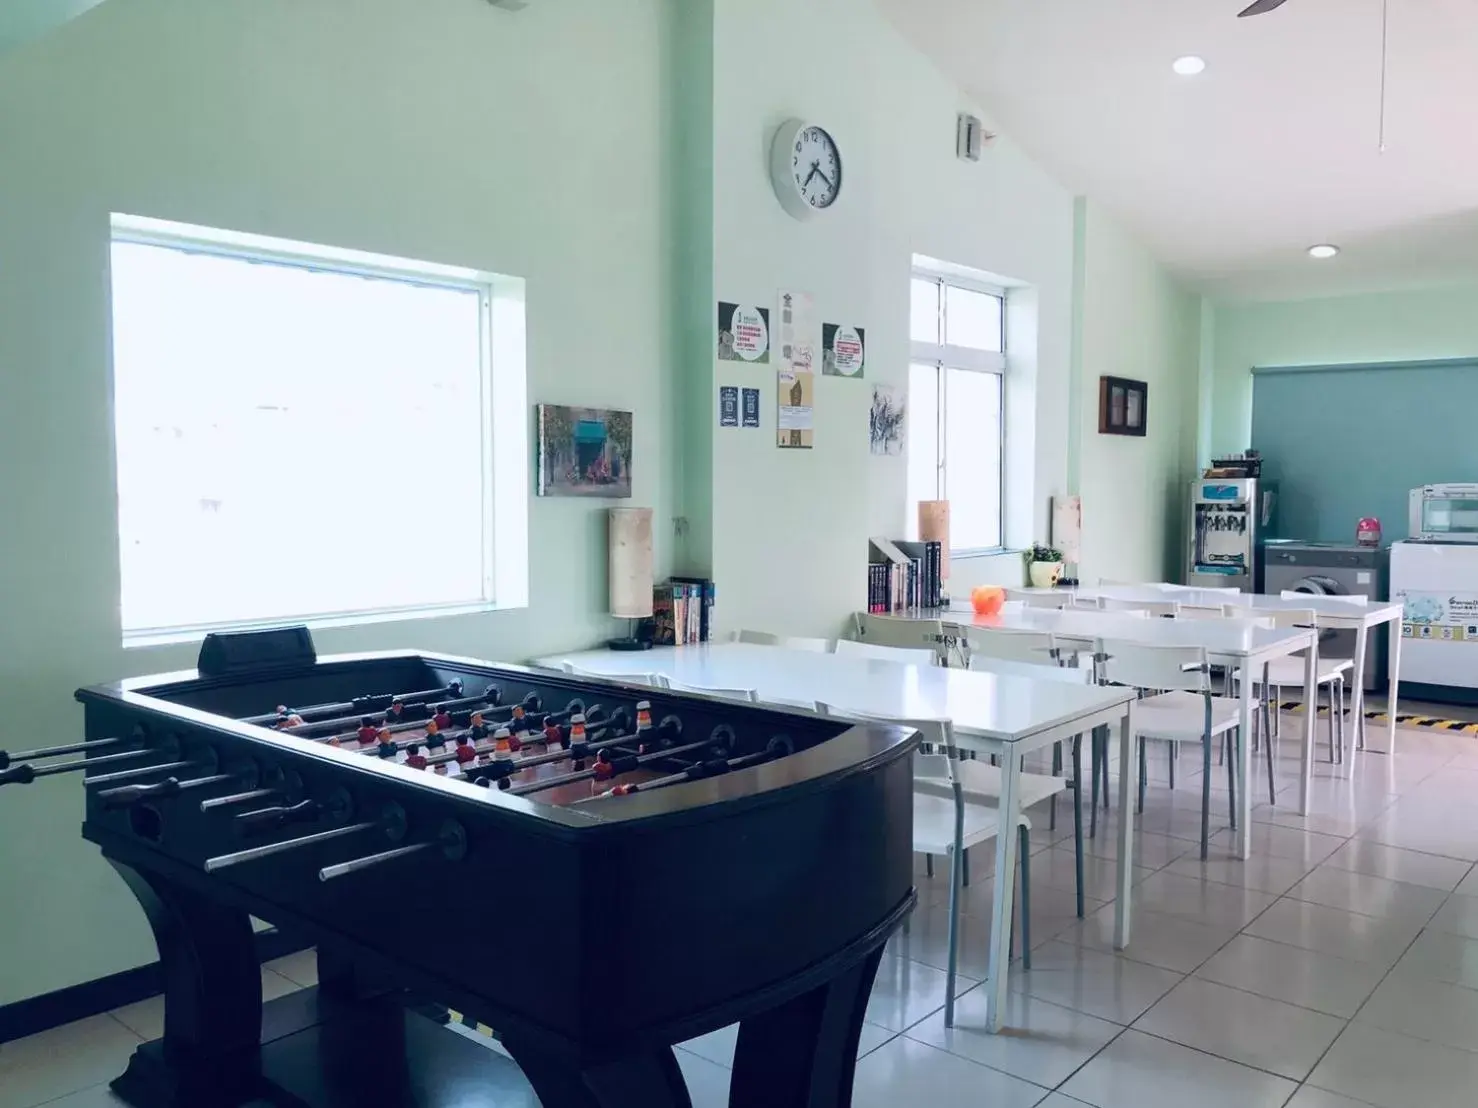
[(1229, 517)]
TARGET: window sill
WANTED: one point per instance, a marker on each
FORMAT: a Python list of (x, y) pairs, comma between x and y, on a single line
[(984, 552), (174, 636)]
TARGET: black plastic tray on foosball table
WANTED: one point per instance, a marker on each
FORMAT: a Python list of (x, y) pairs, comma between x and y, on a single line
[(753, 876)]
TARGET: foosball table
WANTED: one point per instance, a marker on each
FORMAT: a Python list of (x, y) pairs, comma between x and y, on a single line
[(596, 871)]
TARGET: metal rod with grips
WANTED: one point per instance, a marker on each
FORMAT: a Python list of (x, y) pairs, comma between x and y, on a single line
[(225, 861), (451, 840), (171, 786), (25, 773), (130, 774), (6, 760), (236, 798), (359, 704), (342, 869), (588, 774)]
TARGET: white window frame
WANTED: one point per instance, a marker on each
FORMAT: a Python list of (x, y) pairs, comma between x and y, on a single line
[(503, 399), (944, 356)]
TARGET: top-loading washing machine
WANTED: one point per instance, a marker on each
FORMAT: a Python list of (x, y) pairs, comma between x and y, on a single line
[(1333, 569)]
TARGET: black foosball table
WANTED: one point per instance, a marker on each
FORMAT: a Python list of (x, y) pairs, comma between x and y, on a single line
[(596, 871)]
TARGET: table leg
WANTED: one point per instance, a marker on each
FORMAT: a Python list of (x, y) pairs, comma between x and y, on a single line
[(1311, 718), (1242, 752), (1002, 904), (1124, 875), (1394, 631), (1357, 694)]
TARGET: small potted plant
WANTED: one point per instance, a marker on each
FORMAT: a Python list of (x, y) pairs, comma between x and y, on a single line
[(1043, 565)]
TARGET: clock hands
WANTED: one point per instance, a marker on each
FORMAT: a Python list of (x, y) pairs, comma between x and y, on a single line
[(825, 180), (815, 170)]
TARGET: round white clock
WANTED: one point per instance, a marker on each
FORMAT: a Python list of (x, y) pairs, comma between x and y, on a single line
[(805, 168)]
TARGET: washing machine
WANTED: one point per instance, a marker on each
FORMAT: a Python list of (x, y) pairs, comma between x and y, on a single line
[(1333, 569)]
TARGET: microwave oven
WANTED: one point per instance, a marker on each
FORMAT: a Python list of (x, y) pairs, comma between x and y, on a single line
[(1444, 513)]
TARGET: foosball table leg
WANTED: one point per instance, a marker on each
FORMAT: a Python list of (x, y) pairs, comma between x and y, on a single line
[(210, 1056), (803, 1053)]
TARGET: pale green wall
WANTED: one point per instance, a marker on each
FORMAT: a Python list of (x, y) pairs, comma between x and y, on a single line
[(21, 21), (1413, 325), (410, 129)]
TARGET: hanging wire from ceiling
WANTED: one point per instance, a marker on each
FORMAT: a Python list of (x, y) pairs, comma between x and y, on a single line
[(1385, 22)]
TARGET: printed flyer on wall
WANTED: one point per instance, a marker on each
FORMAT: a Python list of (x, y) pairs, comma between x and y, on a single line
[(1440, 616)]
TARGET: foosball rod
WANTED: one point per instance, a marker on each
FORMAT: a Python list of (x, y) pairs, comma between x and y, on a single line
[(697, 772), (7, 759), (352, 721), (636, 760), (451, 840), (225, 861), (346, 706), (236, 798), (25, 773), (496, 711)]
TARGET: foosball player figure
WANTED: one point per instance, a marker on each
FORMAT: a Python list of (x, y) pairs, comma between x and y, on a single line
[(396, 712), (577, 740), (368, 732), (502, 745), (442, 719), (435, 740), (477, 727), (291, 719), (440, 768), (466, 753), (387, 749), (414, 758), (643, 724), (517, 720)]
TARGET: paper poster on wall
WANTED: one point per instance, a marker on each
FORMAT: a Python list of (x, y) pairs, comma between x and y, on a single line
[(743, 333), (1440, 616), (796, 332), (728, 406), (751, 407), (844, 350), (794, 394), (1067, 526), (885, 424)]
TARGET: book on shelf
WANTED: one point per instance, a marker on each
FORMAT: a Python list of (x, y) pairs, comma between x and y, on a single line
[(682, 611)]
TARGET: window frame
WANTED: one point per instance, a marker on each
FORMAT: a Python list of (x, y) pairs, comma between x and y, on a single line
[(501, 370), (943, 356)]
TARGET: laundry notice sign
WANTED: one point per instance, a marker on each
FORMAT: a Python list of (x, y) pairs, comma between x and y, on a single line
[(1440, 616)]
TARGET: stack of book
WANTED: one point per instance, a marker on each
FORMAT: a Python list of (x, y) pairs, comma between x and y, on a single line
[(903, 575), (682, 611)]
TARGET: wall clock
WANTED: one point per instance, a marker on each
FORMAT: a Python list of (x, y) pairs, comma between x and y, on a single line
[(805, 168)]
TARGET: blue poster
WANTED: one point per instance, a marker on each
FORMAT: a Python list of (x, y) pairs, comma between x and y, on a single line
[(751, 407), (728, 406)]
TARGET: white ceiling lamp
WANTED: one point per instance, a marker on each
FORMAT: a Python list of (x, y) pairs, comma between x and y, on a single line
[(1323, 250), (1189, 65)]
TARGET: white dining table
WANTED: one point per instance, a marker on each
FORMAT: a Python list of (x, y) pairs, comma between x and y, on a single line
[(1333, 612), (1241, 643), (1007, 716)]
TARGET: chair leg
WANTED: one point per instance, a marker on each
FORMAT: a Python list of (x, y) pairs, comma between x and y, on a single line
[(1206, 795), (929, 864), (1025, 865), (1272, 792), (1143, 777), (1174, 757), (1341, 721), (965, 867), (1093, 794), (1233, 757), (1056, 772), (1078, 816)]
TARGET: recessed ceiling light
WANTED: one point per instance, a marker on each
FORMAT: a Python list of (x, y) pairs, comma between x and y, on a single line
[(1189, 65), (1323, 250)]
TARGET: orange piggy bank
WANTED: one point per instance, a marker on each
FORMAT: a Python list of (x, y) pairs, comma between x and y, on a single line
[(987, 599)]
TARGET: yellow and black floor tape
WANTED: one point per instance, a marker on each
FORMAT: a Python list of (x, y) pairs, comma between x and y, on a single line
[(1432, 723)]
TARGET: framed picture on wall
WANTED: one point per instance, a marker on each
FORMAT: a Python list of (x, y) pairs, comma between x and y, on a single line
[(1123, 406)]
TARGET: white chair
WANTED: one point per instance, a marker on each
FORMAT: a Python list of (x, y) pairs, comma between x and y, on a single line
[(1148, 607), (1201, 611), (1031, 598), (847, 648), (749, 695), (653, 680), (909, 634), (1033, 647), (1227, 590), (785, 701), (758, 638), (947, 822), (1288, 672), (786, 642), (1177, 706)]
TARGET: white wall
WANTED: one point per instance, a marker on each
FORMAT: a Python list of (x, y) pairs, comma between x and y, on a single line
[(384, 125), (1410, 325), (790, 526)]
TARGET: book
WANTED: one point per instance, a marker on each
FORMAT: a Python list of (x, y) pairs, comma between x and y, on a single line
[(705, 592), (663, 623)]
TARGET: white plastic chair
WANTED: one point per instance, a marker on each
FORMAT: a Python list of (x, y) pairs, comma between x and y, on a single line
[(1058, 598), (915, 656), (1202, 611), (1032, 647), (1178, 706), (1288, 671), (653, 680), (1148, 607), (758, 638), (785, 642), (909, 634), (749, 695), (947, 822)]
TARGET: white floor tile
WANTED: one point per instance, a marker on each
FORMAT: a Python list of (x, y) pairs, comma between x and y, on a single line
[(1439, 956), (1141, 1071), (1253, 1030), (1261, 872), (1459, 916), (708, 1083), (1395, 864), (1331, 931), (1101, 985), (906, 991), (1395, 1071), (1310, 1097), (1041, 1042), (1437, 830), (907, 1072), (63, 1060), (1321, 982), (146, 1017), (1425, 1009), (718, 1046), (300, 968), (1156, 939), (1469, 884), (1055, 868), (1270, 840), (1203, 901), (98, 1096), (1151, 851), (1370, 896), (1057, 1100)]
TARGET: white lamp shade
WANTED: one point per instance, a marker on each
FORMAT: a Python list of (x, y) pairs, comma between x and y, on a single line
[(934, 527), (631, 562)]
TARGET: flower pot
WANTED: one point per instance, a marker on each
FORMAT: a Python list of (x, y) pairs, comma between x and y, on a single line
[(1044, 575)]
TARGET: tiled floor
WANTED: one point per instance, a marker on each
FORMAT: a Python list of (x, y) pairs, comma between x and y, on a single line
[(1336, 969)]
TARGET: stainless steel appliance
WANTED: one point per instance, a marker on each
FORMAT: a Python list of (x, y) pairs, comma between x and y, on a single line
[(1333, 569), (1444, 513), (1229, 517)]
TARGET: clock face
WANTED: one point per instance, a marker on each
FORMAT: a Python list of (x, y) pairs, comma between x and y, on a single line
[(816, 166)]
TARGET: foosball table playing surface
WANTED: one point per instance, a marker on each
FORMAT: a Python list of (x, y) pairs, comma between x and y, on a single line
[(596, 871)]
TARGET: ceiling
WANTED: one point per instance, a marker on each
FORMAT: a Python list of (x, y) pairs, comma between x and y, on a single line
[(1228, 176)]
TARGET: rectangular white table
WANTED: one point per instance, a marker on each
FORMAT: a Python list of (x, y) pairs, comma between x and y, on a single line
[(1332, 613), (992, 714), (1236, 642)]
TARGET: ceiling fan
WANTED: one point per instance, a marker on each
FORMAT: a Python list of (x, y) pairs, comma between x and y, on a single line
[(1261, 7)]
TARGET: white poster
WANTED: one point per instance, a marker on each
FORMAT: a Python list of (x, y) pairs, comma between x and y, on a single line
[(1440, 616), (795, 324), (1067, 526)]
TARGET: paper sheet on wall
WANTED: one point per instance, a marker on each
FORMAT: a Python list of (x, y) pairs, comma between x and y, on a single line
[(795, 326), (1067, 526), (794, 394)]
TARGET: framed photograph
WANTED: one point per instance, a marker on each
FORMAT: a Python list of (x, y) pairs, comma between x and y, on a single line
[(1123, 406), (584, 452)]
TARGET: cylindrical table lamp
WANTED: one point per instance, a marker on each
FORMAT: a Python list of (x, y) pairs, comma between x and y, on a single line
[(630, 570)]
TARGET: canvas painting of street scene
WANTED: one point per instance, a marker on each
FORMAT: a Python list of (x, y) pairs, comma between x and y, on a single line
[(584, 452)]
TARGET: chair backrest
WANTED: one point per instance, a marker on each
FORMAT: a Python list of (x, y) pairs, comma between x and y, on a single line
[(804, 642), (1055, 598), (653, 680), (785, 701), (1155, 667), (1227, 590), (1199, 611), (937, 733), (911, 634), (1292, 617), (1040, 671), (757, 638), (914, 656), (749, 695), (1022, 646), (1358, 601), (1149, 607)]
